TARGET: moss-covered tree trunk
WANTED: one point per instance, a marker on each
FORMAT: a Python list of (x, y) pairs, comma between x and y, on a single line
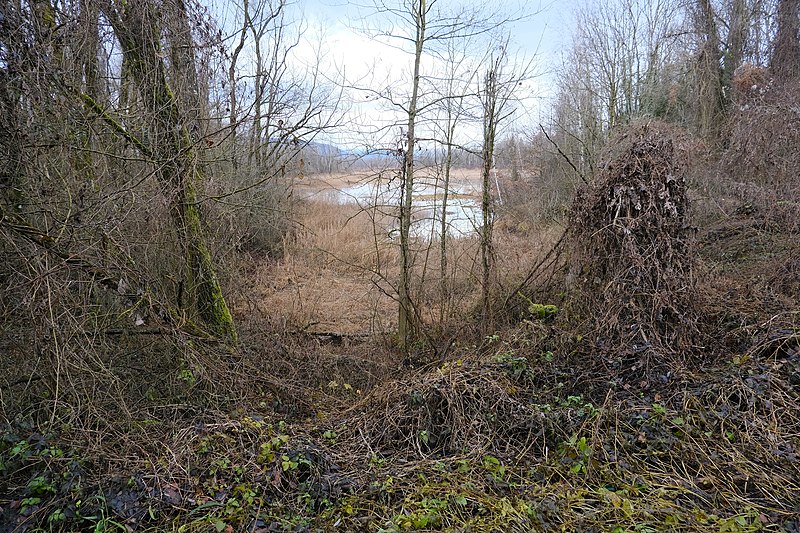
[(138, 28)]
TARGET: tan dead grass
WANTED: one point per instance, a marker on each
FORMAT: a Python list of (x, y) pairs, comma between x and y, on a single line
[(322, 182), (340, 267), (324, 281)]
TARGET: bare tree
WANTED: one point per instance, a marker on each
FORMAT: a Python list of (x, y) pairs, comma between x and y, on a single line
[(138, 28), (111, 170), (738, 33), (233, 109), (406, 324), (275, 105), (423, 26), (501, 82), (93, 243), (710, 96), (614, 71), (282, 105), (453, 109)]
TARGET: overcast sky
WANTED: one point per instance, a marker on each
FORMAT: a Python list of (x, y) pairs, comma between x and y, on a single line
[(541, 36), (546, 28)]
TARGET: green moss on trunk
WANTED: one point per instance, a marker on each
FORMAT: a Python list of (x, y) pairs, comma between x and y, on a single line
[(138, 28), (203, 282)]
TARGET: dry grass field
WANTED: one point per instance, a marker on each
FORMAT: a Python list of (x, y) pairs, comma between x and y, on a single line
[(319, 184), (339, 269)]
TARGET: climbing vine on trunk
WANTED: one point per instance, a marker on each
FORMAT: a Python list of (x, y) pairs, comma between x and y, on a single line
[(138, 28)]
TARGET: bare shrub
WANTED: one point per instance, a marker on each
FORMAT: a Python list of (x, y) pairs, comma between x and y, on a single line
[(761, 161)]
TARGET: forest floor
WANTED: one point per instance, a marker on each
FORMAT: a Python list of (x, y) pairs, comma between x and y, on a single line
[(526, 429)]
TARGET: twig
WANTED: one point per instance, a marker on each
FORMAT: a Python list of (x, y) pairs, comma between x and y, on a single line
[(104, 277), (534, 270), (115, 124), (562, 154)]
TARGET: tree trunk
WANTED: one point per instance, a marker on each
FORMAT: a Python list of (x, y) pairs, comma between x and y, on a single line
[(12, 137), (234, 111), (489, 134), (89, 22), (785, 62), (448, 165), (709, 74), (183, 78), (138, 29), (734, 52), (406, 326)]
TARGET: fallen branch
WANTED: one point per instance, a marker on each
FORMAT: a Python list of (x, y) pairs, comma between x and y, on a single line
[(333, 336)]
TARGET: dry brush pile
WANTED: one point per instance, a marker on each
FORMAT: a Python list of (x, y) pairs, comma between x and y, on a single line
[(629, 256)]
